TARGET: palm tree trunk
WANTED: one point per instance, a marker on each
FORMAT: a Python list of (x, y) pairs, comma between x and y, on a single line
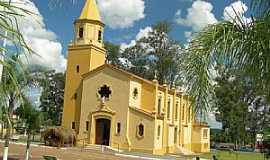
[(28, 146), (9, 127), (2, 130), (7, 138)]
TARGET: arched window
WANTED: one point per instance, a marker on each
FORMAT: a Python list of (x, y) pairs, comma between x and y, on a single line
[(99, 36), (73, 125), (188, 114), (118, 128), (159, 105), (140, 131), (135, 93), (183, 112), (176, 111), (175, 135), (81, 32), (87, 125), (78, 68), (205, 133), (169, 109), (158, 131), (75, 96)]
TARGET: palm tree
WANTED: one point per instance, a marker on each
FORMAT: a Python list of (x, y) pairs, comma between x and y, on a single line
[(11, 93), (32, 120), (239, 44), (11, 33), (16, 78)]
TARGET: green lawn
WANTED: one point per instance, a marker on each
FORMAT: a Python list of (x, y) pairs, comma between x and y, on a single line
[(227, 155)]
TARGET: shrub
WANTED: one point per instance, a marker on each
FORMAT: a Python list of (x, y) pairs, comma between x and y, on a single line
[(59, 137)]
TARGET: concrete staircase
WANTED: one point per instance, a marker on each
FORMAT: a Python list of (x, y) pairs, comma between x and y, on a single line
[(93, 147), (183, 151), (102, 148)]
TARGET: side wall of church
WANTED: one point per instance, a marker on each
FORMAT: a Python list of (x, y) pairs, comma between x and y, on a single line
[(139, 142), (148, 97), (200, 139), (159, 135), (135, 93)]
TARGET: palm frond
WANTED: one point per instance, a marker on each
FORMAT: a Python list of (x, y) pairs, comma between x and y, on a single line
[(261, 7), (233, 45)]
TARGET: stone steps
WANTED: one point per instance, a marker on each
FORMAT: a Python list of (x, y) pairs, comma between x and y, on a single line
[(101, 148), (183, 151)]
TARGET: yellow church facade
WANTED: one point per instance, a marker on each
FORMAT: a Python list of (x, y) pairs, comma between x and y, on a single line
[(106, 105)]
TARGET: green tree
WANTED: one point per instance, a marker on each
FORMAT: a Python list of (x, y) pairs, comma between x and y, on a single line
[(52, 97), (237, 102), (136, 61), (113, 53), (259, 117), (32, 121), (238, 44), (156, 54), (232, 108)]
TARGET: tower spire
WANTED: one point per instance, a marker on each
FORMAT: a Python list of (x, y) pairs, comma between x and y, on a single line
[(90, 11)]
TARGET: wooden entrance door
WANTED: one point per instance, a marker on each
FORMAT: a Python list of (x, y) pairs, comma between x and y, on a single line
[(103, 127)]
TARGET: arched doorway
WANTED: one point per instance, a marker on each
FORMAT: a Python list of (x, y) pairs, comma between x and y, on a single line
[(103, 127)]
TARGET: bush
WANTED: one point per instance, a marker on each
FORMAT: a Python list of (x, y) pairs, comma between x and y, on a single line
[(59, 137)]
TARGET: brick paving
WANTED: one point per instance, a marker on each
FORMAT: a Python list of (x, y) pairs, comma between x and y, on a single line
[(16, 152)]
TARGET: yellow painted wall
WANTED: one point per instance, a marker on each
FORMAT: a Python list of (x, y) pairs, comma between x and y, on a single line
[(73, 80), (187, 137), (87, 58), (171, 99), (158, 139), (147, 142), (98, 58), (171, 136), (178, 118), (200, 143), (135, 101), (161, 95), (118, 101), (148, 94)]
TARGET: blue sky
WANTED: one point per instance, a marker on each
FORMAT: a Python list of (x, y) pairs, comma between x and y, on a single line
[(60, 19)]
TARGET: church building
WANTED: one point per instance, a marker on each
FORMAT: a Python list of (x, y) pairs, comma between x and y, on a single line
[(109, 106)]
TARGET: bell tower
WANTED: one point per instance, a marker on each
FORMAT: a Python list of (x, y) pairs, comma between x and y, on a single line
[(85, 53), (89, 27)]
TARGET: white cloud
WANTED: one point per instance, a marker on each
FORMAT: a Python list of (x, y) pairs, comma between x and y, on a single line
[(142, 33), (188, 34), (39, 38), (199, 15), (121, 13), (211, 119), (235, 11), (178, 12)]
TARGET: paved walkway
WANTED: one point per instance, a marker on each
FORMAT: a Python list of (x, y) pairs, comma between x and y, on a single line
[(16, 152)]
